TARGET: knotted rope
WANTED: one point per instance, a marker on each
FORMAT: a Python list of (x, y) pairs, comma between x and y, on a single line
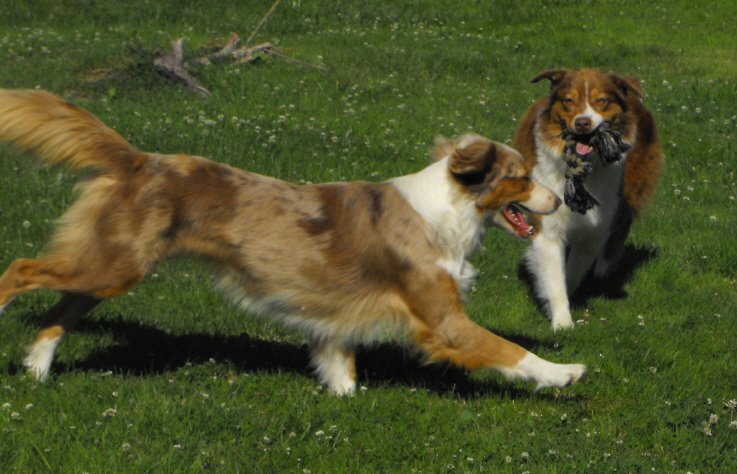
[(607, 145)]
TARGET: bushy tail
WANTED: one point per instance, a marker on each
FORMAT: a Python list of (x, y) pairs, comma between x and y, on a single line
[(59, 132)]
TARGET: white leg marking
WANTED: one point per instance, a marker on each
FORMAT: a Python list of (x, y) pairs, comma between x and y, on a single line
[(545, 373), (335, 368), (40, 355), (545, 259)]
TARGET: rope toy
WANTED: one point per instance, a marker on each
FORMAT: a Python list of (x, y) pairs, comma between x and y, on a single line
[(605, 144)]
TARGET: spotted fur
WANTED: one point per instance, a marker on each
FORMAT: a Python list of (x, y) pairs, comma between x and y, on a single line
[(344, 262)]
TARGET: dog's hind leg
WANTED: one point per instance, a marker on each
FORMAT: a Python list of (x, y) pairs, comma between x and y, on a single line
[(58, 320), (335, 364), (91, 277), (614, 248), (83, 286), (582, 255)]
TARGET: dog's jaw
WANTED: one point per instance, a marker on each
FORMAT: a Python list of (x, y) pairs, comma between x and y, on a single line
[(514, 217)]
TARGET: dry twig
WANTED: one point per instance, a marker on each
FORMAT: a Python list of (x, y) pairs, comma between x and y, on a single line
[(173, 66)]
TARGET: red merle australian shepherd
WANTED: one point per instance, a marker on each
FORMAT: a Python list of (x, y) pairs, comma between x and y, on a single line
[(344, 262)]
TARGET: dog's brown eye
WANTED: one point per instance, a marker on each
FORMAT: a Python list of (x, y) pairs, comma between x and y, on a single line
[(568, 100), (601, 100)]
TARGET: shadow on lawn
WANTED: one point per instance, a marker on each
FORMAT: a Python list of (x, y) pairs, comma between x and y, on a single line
[(612, 287), (143, 350)]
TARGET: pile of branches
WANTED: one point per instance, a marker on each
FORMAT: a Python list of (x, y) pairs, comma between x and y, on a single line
[(176, 69)]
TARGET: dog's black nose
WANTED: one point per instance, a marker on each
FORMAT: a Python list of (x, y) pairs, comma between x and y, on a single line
[(582, 124)]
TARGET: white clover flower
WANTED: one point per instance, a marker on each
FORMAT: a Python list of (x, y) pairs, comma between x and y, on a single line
[(713, 419), (733, 425)]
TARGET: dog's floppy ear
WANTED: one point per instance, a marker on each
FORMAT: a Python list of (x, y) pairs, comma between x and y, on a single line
[(627, 85), (471, 162), (553, 75)]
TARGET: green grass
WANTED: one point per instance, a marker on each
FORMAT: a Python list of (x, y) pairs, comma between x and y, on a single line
[(172, 379)]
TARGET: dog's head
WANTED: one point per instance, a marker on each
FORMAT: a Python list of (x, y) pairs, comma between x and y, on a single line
[(583, 103), (498, 180)]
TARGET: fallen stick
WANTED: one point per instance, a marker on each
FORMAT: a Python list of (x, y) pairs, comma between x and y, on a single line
[(173, 66)]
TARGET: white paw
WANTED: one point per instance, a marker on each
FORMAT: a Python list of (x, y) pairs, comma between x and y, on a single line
[(344, 387), (562, 322), (40, 355), (545, 373), (560, 375)]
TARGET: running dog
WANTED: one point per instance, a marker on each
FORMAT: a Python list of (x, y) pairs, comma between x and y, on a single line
[(343, 262)]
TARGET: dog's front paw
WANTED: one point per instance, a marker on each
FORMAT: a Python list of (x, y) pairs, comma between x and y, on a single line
[(545, 373), (560, 375), (562, 322), (343, 387)]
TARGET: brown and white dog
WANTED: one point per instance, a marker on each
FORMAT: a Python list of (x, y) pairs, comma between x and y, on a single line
[(344, 262), (593, 143)]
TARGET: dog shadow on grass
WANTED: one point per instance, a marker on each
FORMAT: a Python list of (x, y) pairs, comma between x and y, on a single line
[(141, 350), (611, 287)]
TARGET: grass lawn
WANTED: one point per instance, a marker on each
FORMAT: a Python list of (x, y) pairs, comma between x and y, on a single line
[(171, 378)]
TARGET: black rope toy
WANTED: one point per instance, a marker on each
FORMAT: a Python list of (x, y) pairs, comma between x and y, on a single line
[(604, 143)]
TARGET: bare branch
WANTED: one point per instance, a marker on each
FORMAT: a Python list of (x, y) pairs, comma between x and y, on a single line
[(263, 20), (173, 66)]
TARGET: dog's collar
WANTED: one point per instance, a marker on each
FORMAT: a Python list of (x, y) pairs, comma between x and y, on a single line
[(607, 145)]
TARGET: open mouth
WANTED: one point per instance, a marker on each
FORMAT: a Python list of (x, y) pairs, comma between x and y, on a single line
[(605, 141), (514, 216), (583, 149)]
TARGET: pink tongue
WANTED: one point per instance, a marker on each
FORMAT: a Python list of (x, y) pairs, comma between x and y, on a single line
[(583, 149)]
